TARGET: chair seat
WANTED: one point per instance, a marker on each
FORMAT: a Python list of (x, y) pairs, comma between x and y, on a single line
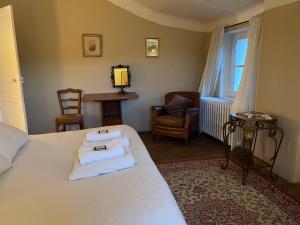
[(69, 119), (170, 121)]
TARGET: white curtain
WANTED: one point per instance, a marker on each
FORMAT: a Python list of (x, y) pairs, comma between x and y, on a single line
[(245, 98), (212, 68)]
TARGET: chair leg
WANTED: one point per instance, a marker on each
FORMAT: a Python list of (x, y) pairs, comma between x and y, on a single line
[(186, 141), (64, 127), (81, 125), (154, 137), (57, 126)]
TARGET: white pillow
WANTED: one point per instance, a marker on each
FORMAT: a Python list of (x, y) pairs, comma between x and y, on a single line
[(11, 140), (4, 164)]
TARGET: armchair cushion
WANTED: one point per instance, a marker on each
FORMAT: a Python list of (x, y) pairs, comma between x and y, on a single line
[(178, 105), (170, 121)]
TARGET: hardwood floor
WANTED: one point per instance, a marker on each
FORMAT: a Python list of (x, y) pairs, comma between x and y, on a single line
[(166, 148), (202, 147)]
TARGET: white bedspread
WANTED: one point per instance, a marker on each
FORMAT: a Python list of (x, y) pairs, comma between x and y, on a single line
[(36, 191)]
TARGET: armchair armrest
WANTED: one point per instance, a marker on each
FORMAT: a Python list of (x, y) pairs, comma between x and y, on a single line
[(157, 110), (192, 111), (192, 118)]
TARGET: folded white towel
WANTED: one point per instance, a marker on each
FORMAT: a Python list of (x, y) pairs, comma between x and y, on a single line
[(89, 155), (102, 167), (123, 141), (103, 136)]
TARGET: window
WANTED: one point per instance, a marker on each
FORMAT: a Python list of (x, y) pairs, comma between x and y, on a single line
[(240, 52), (233, 61)]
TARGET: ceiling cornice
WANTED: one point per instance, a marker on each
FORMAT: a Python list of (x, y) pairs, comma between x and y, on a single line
[(270, 4), (238, 17), (160, 18), (194, 25)]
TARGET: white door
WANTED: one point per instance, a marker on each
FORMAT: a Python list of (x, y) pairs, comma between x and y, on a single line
[(12, 108)]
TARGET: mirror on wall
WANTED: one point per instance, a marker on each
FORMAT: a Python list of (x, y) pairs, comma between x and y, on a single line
[(120, 77)]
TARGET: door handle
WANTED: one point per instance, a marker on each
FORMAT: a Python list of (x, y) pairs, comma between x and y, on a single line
[(15, 80)]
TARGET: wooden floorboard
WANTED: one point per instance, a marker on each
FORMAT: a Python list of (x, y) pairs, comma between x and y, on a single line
[(166, 148), (202, 147)]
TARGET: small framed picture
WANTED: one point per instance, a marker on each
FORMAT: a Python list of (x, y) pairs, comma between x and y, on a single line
[(152, 47), (92, 45)]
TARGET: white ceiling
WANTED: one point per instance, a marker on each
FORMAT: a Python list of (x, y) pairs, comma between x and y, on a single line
[(199, 10), (197, 15)]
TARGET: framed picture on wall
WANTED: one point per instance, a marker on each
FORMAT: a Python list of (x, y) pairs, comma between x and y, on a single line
[(152, 47), (92, 45)]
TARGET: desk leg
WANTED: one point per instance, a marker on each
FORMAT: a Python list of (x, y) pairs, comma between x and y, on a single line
[(112, 113)]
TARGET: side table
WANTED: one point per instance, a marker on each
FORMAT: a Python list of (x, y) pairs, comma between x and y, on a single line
[(251, 123)]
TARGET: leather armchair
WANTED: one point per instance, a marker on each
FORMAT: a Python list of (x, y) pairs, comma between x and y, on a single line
[(173, 125)]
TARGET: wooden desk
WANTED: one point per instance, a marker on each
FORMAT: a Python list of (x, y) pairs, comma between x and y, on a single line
[(111, 105)]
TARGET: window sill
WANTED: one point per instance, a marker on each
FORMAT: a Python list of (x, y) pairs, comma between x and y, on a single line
[(228, 98), (216, 99)]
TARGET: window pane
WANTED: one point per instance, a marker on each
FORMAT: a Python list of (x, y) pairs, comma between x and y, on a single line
[(238, 73), (241, 51)]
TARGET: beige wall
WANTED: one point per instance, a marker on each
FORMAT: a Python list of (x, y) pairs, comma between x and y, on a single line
[(49, 41), (279, 82)]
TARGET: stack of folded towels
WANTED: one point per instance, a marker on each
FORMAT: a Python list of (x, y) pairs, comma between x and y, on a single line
[(102, 151)]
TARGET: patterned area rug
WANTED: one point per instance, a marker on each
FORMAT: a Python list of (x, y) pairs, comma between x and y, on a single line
[(208, 194)]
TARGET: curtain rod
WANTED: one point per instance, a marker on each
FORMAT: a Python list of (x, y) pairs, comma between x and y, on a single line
[(233, 25)]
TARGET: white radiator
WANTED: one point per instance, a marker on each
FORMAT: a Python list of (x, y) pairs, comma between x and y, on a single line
[(214, 112)]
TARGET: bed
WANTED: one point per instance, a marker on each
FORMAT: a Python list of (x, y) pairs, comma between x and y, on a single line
[(36, 191)]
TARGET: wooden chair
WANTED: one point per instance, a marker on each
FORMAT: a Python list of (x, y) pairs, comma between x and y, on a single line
[(70, 113), (173, 125)]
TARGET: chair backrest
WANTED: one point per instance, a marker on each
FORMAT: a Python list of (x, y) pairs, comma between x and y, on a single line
[(67, 96), (194, 96)]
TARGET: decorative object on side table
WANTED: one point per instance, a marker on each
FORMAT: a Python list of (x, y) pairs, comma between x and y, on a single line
[(152, 47), (121, 77), (92, 45), (250, 123)]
